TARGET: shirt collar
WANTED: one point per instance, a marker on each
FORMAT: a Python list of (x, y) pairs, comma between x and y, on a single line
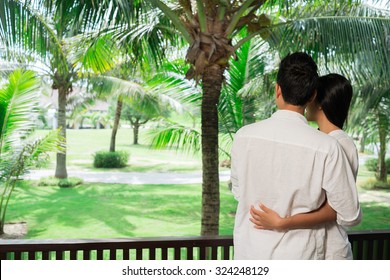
[(291, 115)]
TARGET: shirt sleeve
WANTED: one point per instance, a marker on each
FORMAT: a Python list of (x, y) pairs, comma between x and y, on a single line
[(339, 184)]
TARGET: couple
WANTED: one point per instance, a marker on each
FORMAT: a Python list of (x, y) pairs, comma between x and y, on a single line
[(293, 182)]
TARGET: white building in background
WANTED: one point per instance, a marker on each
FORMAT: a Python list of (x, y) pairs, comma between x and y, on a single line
[(95, 115)]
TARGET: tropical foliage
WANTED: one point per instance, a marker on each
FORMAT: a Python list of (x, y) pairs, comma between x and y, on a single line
[(18, 151), (230, 45), (336, 33), (50, 32), (352, 40), (137, 100)]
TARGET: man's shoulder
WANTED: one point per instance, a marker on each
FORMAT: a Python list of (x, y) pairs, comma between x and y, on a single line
[(252, 127)]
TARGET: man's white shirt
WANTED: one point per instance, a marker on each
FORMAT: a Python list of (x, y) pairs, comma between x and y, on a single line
[(290, 167)]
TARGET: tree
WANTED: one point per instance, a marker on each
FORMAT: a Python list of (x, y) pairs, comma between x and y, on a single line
[(141, 100), (140, 111), (372, 116), (208, 26), (246, 96), (50, 30), (352, 45), (108, 86), (18, 151)]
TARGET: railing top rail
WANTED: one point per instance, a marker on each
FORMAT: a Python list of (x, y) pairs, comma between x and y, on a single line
[(156, 239), (372, 231), (117, 240)]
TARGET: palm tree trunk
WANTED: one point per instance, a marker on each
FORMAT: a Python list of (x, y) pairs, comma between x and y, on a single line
[(136, 126), (362, 142), (212, 82), (382, 170), (118, 113), (61, 157)]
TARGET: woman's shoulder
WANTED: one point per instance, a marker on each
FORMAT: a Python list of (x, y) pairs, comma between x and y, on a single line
[(342, 136)]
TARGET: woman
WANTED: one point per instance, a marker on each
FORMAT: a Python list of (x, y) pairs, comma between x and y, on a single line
[(329, 110)]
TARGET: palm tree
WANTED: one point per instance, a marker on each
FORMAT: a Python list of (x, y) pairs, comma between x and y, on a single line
[(246, 97), (372, 116), (50, 31), (352, 46), (141, 99), (18, 114), (108, 86), (210, 29)]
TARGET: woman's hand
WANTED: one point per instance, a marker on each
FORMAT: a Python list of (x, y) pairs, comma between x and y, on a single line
[(266, 219)]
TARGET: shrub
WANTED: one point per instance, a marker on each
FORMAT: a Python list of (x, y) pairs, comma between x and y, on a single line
[(69, 182), (372, 164), (373, 184), (103, 159), (62, 183)]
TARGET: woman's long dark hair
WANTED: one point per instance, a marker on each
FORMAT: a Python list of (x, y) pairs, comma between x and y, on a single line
[(334, 95)]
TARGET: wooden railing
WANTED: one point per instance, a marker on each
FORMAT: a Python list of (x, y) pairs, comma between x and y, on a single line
[(366, 245)]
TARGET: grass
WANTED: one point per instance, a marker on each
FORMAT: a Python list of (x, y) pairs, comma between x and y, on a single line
[(108, 210), (117, 210), (83, 143), (375, 216)]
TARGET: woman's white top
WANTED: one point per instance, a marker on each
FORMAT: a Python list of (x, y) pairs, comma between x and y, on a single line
[(337, 246)]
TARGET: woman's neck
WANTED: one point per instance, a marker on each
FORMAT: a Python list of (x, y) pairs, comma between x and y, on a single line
[(326, 126)]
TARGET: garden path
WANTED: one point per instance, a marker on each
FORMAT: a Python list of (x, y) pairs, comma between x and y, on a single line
[(134, 178), (165, 178)]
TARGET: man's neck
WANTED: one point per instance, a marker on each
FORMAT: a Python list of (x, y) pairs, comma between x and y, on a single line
[(289, 107)]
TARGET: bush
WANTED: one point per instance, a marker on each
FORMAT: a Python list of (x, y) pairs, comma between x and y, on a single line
[(69, 182), (103, 159), (62, 183), (372, 165), (373, 184)]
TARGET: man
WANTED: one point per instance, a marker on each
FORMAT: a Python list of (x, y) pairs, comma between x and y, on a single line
[(290, 167)]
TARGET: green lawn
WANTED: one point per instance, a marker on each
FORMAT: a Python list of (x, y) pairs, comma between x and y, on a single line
[(115, 210), (108, 210), (375, 216), (83, 143)]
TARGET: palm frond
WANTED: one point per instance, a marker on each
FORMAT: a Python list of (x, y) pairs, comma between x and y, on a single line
[(293, 9), (93, 52), (225, 143), (175, 136), (175, 90), (109, 85), (18, 99), (51, 142), (339, 43), (369, 98), (174, 17), (28, 27)]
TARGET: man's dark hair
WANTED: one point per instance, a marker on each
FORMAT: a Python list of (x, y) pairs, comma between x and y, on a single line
[(334, 95), (297, 77)]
